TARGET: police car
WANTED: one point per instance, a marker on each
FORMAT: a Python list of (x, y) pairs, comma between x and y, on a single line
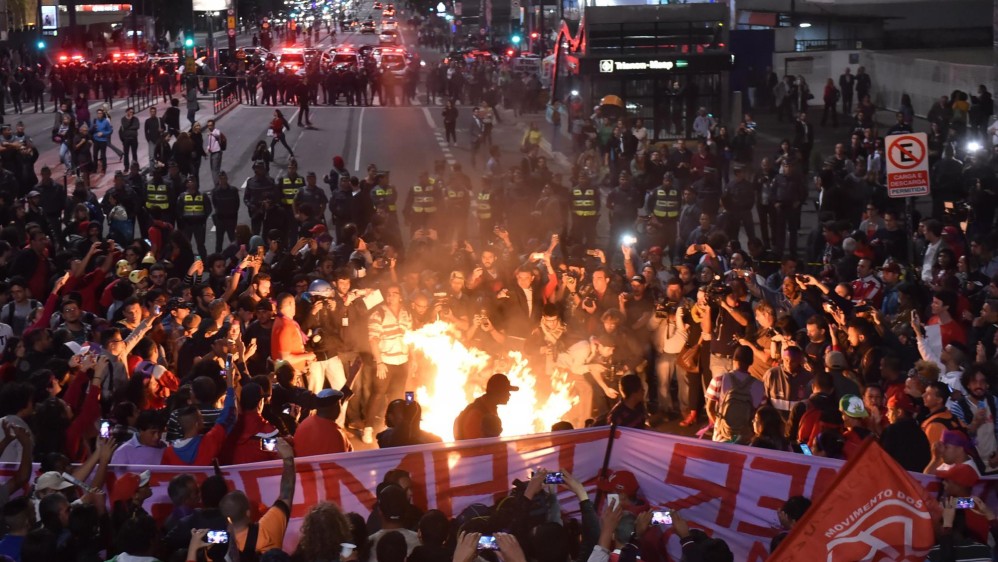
[(391, 59), (368, 27), (345, 55), (293, 60)]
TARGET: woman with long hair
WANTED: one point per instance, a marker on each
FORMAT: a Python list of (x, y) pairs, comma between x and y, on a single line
[(324, 529), (770, 431), (277, 127)]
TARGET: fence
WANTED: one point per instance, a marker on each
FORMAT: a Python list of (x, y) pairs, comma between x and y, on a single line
[(143, 98), (224, 95)]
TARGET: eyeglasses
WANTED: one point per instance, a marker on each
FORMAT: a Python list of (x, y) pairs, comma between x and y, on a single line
[(119, 340)]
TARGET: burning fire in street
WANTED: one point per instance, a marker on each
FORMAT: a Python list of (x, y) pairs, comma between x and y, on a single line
[(453, 375)]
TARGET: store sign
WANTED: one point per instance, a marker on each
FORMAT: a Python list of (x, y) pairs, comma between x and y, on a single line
[(104, 8), (609, 65)]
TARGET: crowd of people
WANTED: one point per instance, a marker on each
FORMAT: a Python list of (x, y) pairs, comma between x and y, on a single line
[(289, 339)]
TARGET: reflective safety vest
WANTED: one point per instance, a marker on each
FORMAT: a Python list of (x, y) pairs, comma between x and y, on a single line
[(424, 199), (193, 206), (666, 203), (385, 196), (456, 197), (483, 207), (157, 197), (584, 202), (289, 188)]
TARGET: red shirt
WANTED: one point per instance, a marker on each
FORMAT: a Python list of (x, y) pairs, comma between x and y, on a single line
[(286, 337), (211, 444), (951, 331), (320, 436)]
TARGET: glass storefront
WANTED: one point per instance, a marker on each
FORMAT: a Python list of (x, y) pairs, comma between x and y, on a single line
[(667, 101)]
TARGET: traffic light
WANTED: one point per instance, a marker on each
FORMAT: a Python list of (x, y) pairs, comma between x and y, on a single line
[(515, 39), (41, 45), (189, 42), (534, 35), (510, 52)]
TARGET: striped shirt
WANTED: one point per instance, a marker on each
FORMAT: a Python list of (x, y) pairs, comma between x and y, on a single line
[(389, 330), (784, 390)]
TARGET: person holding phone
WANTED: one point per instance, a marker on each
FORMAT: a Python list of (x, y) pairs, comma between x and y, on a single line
[(196, 448)]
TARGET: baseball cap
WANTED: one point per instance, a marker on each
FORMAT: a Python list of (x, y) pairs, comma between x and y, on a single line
[(329, 393), (639, 279), (33, 193), (961, 474), (620, 482), (126, 486), (836, 360), (892, 267), (317, 229), (392, 502), (852, 406), (901, 401), (498, 383), (52, 481), (123, 268), (957, 439)]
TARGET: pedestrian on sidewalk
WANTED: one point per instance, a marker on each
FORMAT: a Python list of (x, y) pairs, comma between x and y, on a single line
[(128, 132), (192, 105), (831, 98), (101, 136), (154, 129), (214, 144)]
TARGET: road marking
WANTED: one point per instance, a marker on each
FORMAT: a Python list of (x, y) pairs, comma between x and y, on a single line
[(360, 138), (429, 118)]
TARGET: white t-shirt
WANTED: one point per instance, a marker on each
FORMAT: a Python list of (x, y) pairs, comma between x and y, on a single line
[(411, 542)]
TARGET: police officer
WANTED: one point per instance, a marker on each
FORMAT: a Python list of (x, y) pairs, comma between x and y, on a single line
[(421, 204), (313, 195), (384, 195), (663, 204), (225, 200), (585, 212), (258, 187), (289, 185), (158, 198), (194, 210), (488, 207), (457, 204)]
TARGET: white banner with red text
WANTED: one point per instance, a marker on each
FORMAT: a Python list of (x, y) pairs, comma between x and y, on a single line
[(730, 491)]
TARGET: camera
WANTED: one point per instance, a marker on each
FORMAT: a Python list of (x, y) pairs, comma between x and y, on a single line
[(666, 309), (716, 290)]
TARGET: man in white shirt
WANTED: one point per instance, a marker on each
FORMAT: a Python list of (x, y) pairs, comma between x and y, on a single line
[(933, 232), (213, 146)]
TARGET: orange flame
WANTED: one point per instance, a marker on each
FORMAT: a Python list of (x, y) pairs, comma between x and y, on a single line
[(455, 374)]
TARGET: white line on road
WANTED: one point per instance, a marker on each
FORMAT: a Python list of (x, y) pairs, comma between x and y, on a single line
[(429, 118), (360, 139)]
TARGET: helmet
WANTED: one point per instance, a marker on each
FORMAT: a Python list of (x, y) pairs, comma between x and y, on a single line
[(320, 288)]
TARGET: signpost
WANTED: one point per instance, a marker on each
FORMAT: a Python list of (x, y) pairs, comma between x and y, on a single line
[(907, 165), (908, 173)]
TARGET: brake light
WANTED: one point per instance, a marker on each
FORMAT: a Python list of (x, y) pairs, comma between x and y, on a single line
[(116, 55), (63, 58)]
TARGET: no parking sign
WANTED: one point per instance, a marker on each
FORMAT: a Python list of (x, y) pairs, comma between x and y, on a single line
[(907, 165)]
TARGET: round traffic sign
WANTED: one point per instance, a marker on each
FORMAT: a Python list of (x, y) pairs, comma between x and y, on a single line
[(906, 152)]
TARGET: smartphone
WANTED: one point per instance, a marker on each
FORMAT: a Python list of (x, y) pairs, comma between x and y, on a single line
[(612, 500), (217, 537), (268, 444), (197, 258), (965, 503), (155, 310), (593, 253), (105, 429), (805, 449), (228, 362), (628, 240), (487, 542), (537, 256), (661, 518), (554, 478), (410, 397)]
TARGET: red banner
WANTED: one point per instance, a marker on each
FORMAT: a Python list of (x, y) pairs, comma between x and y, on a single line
[(730, 491), (865, 518)]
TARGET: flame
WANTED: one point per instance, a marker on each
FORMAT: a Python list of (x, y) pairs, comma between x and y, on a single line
[(455, 375)]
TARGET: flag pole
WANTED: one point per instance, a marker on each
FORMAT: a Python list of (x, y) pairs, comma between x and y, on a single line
[(606, 463)]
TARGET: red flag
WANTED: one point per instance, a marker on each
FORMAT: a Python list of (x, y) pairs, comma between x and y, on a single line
[(874, 510)]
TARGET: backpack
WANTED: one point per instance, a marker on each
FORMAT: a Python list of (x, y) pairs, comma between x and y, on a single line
[(223, 142), (734, 414)]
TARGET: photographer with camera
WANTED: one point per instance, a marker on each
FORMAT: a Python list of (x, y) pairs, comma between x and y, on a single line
[(730, 316), (323, 325), (671, 326)]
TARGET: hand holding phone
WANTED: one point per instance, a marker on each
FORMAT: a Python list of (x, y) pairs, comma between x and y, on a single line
[(554, 478), (217, 537), (487, 542), (965, 503), (661, 518), (105, 429)]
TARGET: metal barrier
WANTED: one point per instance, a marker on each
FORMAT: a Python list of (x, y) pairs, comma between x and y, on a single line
[(143, 98), (224, 96)]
